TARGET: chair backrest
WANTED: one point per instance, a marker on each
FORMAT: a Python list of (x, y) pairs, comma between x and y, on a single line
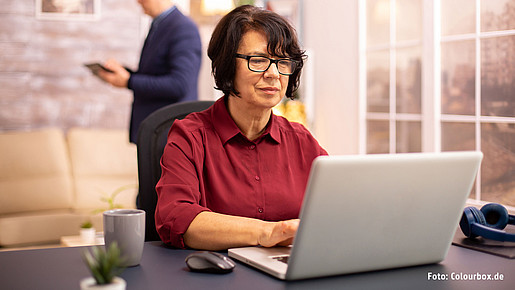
[(151, 141)]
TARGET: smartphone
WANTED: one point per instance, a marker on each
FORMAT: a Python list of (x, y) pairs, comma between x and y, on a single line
[(96, 67)]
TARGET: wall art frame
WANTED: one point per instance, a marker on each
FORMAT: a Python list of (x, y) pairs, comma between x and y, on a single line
[(80, 10)]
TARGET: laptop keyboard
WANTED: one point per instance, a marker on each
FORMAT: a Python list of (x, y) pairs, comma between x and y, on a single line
[(283, 259)]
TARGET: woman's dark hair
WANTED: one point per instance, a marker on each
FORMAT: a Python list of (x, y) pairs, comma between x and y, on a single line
[(225, 41)]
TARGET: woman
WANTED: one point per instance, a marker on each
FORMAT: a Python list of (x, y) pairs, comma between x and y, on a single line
[(235, 174)]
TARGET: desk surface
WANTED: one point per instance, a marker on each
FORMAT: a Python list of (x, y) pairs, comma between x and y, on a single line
[(164, 268)]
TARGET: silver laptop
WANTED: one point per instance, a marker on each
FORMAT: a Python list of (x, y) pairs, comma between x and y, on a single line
[(373, 212)]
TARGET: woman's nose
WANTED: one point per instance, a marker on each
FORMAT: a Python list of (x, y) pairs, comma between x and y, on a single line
[(272, 71)]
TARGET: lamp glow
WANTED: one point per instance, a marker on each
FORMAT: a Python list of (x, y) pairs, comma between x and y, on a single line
[(214, 7)]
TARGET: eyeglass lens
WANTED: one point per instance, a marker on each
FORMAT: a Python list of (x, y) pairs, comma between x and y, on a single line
[(259, 63)]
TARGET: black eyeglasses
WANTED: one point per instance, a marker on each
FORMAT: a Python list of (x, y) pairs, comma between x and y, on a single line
[(258, 63)]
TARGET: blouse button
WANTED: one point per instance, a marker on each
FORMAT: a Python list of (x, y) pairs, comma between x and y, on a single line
[(257, 178), (260, 210), (252, 147)]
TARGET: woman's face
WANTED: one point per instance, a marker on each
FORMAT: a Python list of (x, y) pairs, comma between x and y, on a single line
[(263, 90)]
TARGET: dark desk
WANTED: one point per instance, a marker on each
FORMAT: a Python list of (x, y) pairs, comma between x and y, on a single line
[(164, 268)]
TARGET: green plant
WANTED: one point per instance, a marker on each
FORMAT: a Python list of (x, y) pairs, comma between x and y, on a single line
[(103, 264), (110, 198), (243, 2), (86, 225)]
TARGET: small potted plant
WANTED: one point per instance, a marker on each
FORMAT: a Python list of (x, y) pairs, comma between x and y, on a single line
[(104, 265), (87, 232)]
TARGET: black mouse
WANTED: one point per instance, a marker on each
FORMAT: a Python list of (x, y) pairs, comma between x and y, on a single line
[(209, 262)]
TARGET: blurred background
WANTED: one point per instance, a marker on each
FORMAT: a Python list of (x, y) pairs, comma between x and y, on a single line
[(383, 76)]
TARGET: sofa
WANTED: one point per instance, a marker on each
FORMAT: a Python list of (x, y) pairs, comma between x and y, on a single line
[(52, 182)]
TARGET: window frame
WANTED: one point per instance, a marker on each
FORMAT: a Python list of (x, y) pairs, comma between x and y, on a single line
[(431, 116)]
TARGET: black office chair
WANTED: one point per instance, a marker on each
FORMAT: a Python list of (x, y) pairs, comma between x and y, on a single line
[(151, 141)]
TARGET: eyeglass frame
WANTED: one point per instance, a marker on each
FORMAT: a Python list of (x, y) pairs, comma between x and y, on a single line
[(272, 61)]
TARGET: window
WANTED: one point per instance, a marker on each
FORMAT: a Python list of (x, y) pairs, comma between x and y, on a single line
[(440, 76), (393, 72)]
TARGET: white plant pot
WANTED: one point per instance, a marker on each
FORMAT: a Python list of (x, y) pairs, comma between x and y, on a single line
[(90, 284), (88, 235)]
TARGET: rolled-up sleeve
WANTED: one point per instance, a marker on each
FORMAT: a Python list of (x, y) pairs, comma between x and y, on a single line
[(178, 190)]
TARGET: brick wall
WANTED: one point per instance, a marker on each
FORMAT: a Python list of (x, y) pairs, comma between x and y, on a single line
[(42, 78)]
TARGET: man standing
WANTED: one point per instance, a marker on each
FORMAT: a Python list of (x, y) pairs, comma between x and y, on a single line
[(169, 64)]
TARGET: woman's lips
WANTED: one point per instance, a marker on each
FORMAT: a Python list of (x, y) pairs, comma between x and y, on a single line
[(269, 90)]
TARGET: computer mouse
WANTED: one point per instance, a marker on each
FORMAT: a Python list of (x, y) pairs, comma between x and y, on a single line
[(209, 262)]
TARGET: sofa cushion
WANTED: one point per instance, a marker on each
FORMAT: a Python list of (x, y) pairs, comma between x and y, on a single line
[(102, 161), (34, 171), (45, 227)]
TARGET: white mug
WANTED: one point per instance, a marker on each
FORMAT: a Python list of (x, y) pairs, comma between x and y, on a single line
[(127, 228)]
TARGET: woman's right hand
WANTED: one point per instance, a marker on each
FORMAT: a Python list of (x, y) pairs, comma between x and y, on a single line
[(214, 232), (279, 233)]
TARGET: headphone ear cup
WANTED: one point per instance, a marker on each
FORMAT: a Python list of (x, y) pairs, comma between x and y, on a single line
[(471, 215), (495, 215)]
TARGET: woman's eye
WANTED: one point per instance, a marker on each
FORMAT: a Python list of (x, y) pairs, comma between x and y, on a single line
[(259, 60)]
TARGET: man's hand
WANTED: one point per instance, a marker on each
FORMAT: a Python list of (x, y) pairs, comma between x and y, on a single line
[(119, 77), (279, 233)]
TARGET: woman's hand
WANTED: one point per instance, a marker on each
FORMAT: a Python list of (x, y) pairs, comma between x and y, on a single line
[(214, 232), (279, 233), (119, 77)]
